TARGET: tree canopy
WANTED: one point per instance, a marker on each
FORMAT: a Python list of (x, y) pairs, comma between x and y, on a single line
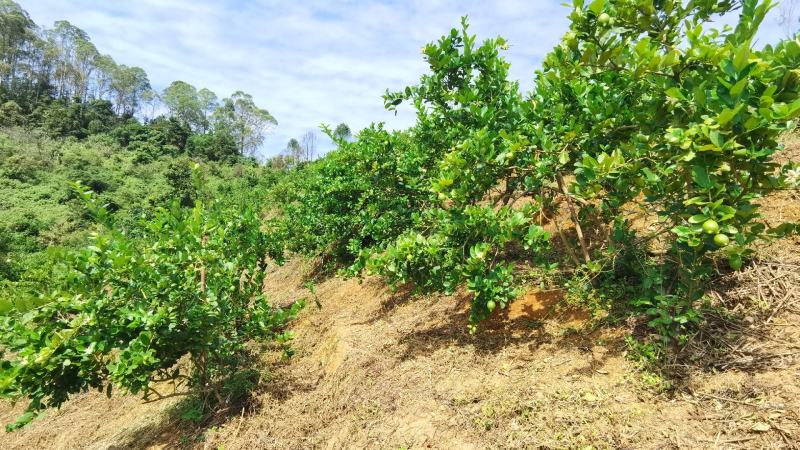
[(246, 122)]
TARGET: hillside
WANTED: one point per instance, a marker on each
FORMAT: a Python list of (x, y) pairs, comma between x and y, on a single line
[(377, 369), (607, 260)]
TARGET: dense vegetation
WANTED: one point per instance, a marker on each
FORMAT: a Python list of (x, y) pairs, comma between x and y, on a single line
[(118, 255), (640, 114), (124, 310), (70, 113), (629, 177), (41, 214)]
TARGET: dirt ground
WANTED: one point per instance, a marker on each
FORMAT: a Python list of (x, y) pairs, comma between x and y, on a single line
[(377, 369)]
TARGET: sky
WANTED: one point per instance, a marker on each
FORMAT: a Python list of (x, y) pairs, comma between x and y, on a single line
[(308, 62)]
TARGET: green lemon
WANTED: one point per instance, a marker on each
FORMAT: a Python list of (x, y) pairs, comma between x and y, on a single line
[(721, 240), (710, 226), (735, 261), (604, 19), (491, 305)]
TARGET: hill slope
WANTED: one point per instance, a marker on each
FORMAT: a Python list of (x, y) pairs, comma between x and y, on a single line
[(376, 369)]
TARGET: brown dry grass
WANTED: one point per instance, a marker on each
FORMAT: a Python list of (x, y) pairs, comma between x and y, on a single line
[(377, 369)]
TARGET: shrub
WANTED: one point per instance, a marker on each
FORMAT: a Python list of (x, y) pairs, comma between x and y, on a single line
[(11, 114), (361, 195), (127, 310), (214, 146), (650, 111), (179, 178)]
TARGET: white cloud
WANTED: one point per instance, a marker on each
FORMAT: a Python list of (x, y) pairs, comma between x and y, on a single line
[(308, 62)]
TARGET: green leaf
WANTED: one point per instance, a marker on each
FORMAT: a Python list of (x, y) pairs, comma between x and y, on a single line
[(597, 6), (701, 177), (651, 177), (563, 157), (675, 93), (695, 201), (698, 218), (738, 87), (727, 114)]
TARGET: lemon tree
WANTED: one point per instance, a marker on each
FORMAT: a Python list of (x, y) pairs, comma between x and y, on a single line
[(644, 109), (126, 310)]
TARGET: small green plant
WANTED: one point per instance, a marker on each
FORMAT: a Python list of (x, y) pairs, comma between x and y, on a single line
[(191, 410), (648, 356), (643, 353)]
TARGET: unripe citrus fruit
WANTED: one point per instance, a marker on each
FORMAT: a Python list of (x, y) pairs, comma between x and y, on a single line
[(604, 19), (721, 240), (491, 305), (710, 226)]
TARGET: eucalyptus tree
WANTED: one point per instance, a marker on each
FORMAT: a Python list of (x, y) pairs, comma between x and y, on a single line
[(191, 106), (149, 102), (789, 17), (309, 146), (127, 86), (247, 123), (65, 38), (17, 30), (342, 131), (106, 66), (293, 149), (83, 67), (181, 100), (208, 102)]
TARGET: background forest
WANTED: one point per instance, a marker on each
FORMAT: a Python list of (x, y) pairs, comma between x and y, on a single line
[(70, 113)]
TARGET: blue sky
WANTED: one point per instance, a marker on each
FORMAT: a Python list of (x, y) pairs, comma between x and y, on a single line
[(307, 62)]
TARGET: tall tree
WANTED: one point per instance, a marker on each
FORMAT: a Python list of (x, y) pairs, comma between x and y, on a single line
[(788, 17), (182, 101), (342, 131), (17, 30), (208, 103), (65, 38), (127, 86), (246, 122), (84, 64), (294, 151), (309, 146), (191, 106), (104, 75), (149, 102)]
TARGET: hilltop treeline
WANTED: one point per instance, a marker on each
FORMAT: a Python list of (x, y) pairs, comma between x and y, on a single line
[(70, 113), (56, 80)]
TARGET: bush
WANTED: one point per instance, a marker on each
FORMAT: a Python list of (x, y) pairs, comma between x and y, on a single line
[(361, 195), (127, 310), (684, 133), (159, 137), (11, 114), (63, 118), (182, 186), (214, 146), (21, 168)]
